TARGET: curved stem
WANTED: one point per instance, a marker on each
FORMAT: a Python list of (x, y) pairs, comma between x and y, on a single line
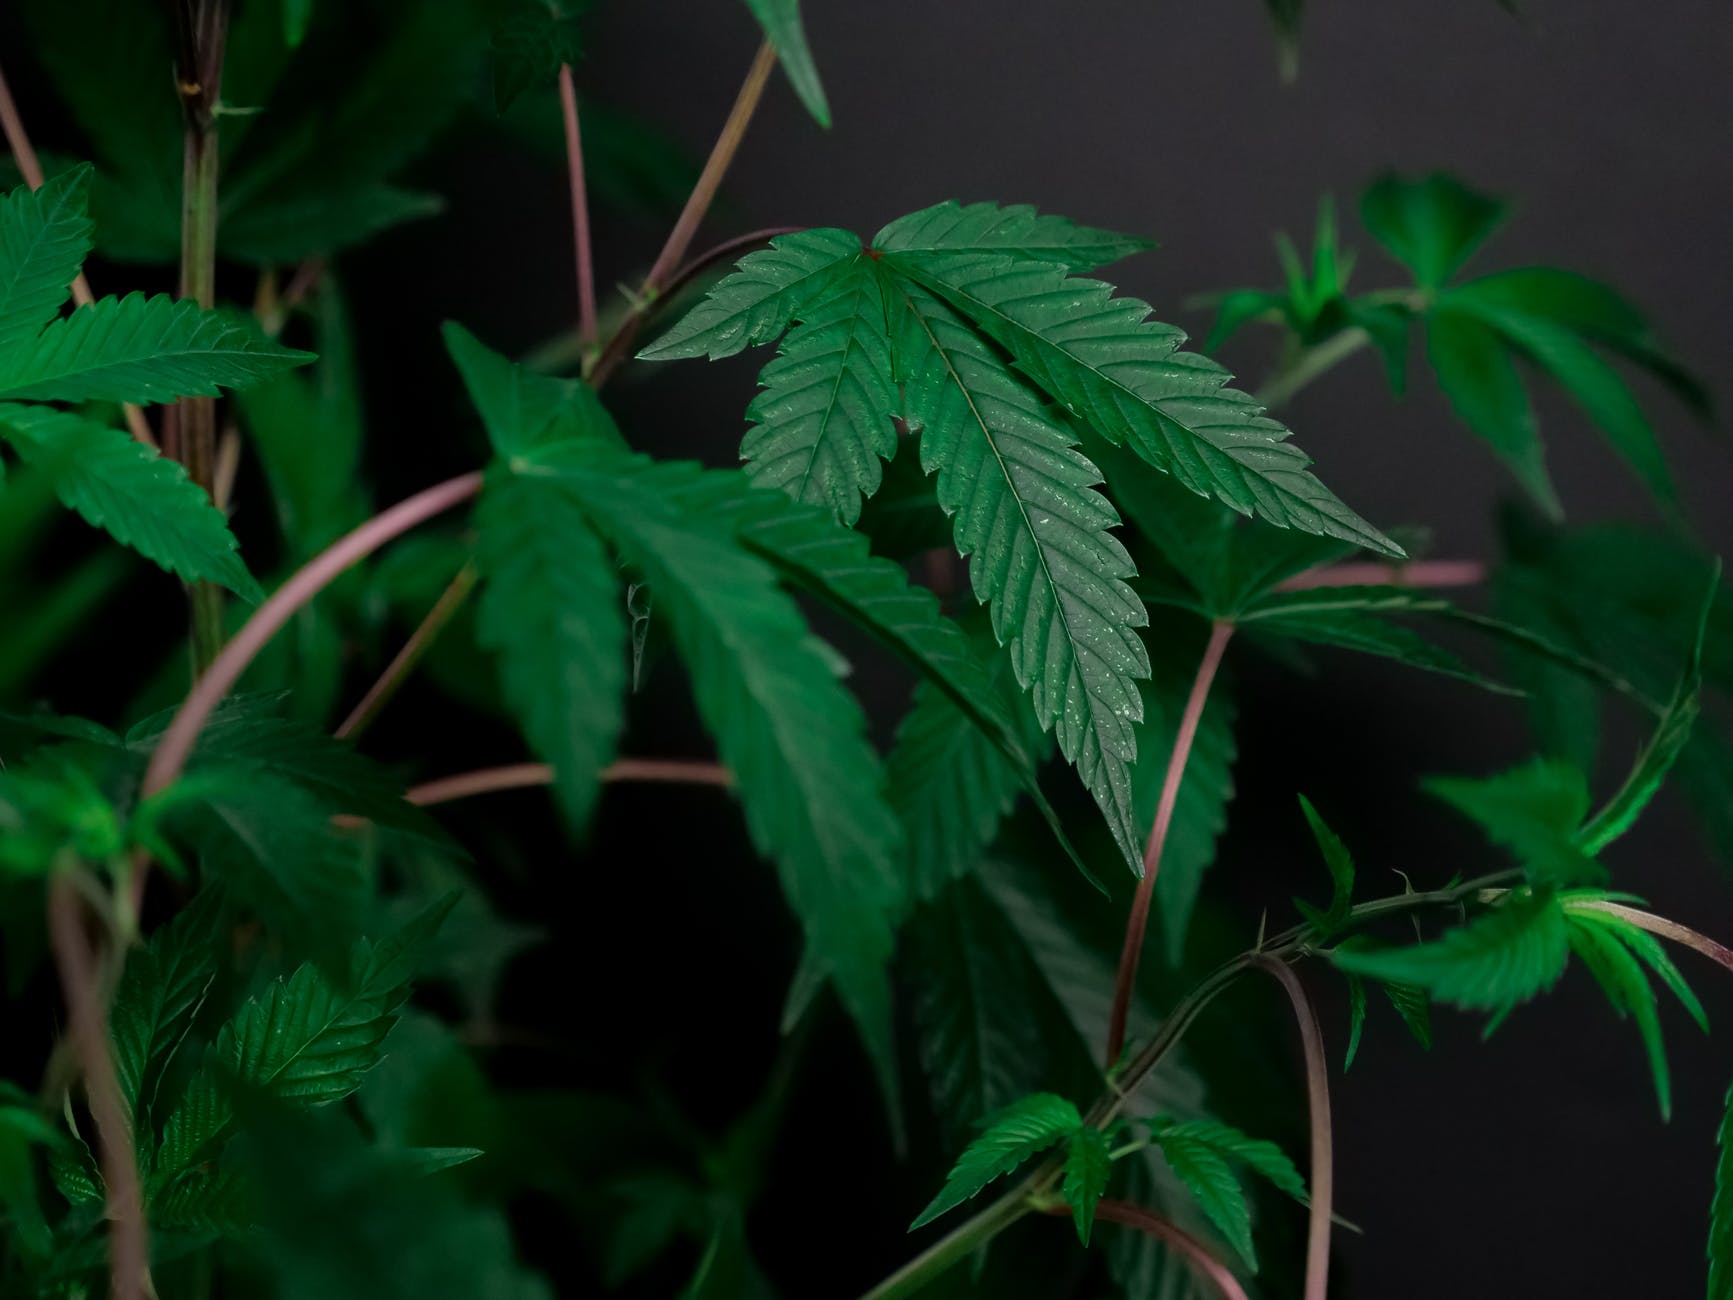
[(403, 663), (1680, 934), (620, 344), (177, 742), (81, 981), (1310, 364), (956, 1245), (520, 776), (1420, 574), (1165, 1230), (1318, 1099), (580, 209), (1138, 922)]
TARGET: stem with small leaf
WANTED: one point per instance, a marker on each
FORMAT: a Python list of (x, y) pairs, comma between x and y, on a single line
[(1137, 923), (403, 663)]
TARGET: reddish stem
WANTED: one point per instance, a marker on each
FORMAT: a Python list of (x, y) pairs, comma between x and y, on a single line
[(403, 663), (1680, 934), (1164, 1230), (1422, 573), (1318, 1098), (715, 167), (76, 961), (209, 691), (1138, 922), (518, 776), (580, 208)]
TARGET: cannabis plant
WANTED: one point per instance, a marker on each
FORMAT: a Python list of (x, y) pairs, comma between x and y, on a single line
[(268, 1027)]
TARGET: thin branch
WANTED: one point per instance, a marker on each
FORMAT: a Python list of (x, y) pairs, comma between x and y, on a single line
[(1138, 922), (30, 168), (1166, 1231), (1310, 364), (715, 168), (519, 776), (81, 982), (1679, 934), (619, 345), (209, 691), (580, 209), (1318, 1098), (397, 671), (1420, 574)]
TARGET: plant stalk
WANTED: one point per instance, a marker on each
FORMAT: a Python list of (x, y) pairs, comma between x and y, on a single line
[(580, 210), (1318, 1102), (1138, 922), (203, 32), (1428, 574), (521, 776), (81, 982), (403, 663), (1311, 364), (1170, 1233)]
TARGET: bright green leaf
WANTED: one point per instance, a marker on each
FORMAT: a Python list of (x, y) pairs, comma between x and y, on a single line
[(1088, 1162), (1014, 229), (1023, 1129)]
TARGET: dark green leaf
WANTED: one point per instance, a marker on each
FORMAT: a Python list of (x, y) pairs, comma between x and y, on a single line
[(553, 608), (759, 299), (161, 989), (1356, 1019), (1026, 513), (1721, 1214), (1412, 1005), (1478, 374), (1088, 1162), (44, 236), (531, 39), (1120, 373), (825, 418), (139, 349), (1014, 229), (1023, 1129), (140, 498), (1341, 866)]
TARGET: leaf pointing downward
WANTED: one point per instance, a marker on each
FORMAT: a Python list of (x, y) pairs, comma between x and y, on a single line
[(1025, 510)]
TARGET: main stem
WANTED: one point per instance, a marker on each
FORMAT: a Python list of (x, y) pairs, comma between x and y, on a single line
[(1310, 364), (1138, 922), (204, 28)]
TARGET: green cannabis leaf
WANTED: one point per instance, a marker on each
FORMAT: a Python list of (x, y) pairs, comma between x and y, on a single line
[(1535, 811), (784, 29), (44, 237), (1341, 867), (1199, 1151), (1088, 1164), (1023, 1129)]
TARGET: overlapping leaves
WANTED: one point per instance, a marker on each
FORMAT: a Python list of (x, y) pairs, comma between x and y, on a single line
[(944, 304)]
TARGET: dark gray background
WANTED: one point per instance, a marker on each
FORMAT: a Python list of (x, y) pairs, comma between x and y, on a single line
[(1534, 1164)]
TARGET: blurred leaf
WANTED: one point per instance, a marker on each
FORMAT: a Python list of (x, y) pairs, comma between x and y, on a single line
[(1341, 866), (1536, 811), (531, 40), (1432, 225), (783, 28)]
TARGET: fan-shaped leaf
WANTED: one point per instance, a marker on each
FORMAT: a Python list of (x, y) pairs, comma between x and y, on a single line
[(1535, 811), (1431, 225), (160, 991), (140, 498), (139, 349), (1478, 374), (1203, 1169)]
